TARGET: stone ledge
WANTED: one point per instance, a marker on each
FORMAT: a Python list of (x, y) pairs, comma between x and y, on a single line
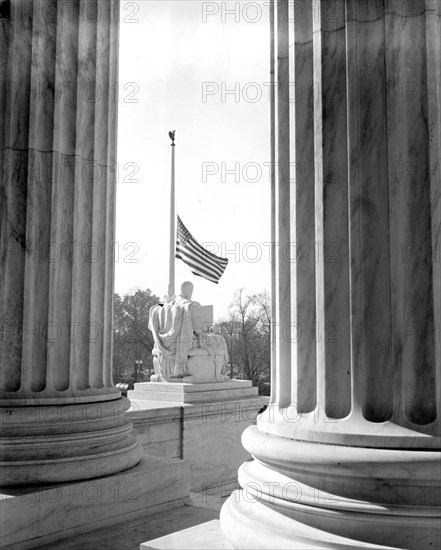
[(150, 412), (186, 387), (134, 532), (181, 392), (36, 516)]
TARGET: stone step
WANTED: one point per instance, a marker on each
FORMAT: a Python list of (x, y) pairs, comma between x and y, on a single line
[(32, 517), (206, 536)]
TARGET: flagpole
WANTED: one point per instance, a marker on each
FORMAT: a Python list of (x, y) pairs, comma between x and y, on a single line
[(171, 278)]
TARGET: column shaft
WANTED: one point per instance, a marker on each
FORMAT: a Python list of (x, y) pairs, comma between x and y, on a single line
[(364, 286), (62, 418), (350, 458), (59, 186)]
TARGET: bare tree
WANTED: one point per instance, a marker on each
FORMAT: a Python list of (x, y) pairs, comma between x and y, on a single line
[(247, 332), (228, 328)]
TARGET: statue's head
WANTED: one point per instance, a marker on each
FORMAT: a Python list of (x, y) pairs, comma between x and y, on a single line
[(187, 290)]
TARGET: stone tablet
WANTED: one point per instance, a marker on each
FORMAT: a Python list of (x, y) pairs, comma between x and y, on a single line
[(202, 318)]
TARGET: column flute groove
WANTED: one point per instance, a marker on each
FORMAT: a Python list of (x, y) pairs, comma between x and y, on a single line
[(17, 52), (39, 188), (283, 295), (83, 199), (433, 64), (110, 206), (305, 394), (100, 185), (60, 299)]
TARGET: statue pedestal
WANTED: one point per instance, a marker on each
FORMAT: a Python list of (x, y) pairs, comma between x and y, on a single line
[(200, 423), (185, 392)]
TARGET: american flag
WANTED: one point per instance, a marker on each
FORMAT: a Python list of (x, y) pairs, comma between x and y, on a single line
[(201, 262)]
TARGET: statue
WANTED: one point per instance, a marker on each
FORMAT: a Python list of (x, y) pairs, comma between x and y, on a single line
[(183, 349)]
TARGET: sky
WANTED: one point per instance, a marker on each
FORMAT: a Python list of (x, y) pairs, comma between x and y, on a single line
[(202, 69)]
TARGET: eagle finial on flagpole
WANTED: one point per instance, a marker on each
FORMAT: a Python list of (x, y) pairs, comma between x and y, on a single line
[(172, 136)]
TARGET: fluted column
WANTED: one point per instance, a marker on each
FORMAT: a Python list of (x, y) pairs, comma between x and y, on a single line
[(347, 454), (58, 114)]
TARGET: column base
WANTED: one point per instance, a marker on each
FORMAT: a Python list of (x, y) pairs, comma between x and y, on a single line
[(55, 444), (260, 527), (199, 537), (300, 495)]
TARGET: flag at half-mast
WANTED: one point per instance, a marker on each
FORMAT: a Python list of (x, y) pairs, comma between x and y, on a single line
[(202, 262)]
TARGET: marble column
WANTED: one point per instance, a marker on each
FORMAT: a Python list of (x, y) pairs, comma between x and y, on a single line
[(348, 453), (62, 418)]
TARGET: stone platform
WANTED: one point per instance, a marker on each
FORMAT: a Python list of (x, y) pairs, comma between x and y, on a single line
[(206, 434), (197, 510), (181, 392), (35, 516)]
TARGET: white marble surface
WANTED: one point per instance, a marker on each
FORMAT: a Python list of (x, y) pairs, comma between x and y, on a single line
[(58, 228), (133, 532), (186, 392), (347, 455), (187, 387), (49, 444), (268, 528), (308, 495), (58, 132), (32, 517), (212, 440), (360, 305), (201, 537), (207, 435)]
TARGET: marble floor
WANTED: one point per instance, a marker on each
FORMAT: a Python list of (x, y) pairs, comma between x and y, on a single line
[(128, 536)]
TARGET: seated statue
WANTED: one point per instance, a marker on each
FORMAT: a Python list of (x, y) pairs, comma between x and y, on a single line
[(179, 351)]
